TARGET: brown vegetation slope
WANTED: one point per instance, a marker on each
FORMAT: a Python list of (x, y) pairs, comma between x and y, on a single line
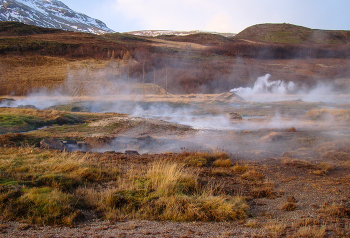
[(34, 57), (292, 34)]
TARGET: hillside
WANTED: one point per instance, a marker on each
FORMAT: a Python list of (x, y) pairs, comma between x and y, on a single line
[(34, 57), (200, 38), (292, 34), (21, 29)]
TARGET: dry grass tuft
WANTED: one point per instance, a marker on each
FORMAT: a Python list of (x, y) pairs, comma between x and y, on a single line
[(292, 129), (200, 159), (298, 163), (273, 136), (311, 231), (289, 206), (275, 226), (306, 222), (252, 224), (239, 168), (323, 169), (222, 163), (252, 175), (263, 190)]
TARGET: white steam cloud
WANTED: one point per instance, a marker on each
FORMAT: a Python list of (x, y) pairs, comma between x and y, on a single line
[(263, 85), (265, 90)]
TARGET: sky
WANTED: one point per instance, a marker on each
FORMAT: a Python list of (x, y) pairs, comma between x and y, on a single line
[(214, 15)]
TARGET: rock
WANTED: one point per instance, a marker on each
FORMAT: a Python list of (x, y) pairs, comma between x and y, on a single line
[(229, 96), (131, 152), (51, 143), (82, 145), (6, 102), (98, 141), (27, 107), (234, 116)]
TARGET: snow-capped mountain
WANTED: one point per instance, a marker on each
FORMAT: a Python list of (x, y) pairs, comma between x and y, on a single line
[(49, 14)]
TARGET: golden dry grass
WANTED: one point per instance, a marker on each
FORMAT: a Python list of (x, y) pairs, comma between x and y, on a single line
[(222, 163), (160, 190), (240, 168), (311, 231), (273, 136), (336, 115)]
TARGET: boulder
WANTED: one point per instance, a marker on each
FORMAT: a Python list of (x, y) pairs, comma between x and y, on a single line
[(27, 107), (131, 152), (98, 141), (6, 102), (234, 116), (51, 143)]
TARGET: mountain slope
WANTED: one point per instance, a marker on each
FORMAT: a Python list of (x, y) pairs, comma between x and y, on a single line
[(49, 14)]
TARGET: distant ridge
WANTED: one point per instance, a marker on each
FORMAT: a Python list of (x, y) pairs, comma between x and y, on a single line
[(50, 14), (154, 33), (292, 34)]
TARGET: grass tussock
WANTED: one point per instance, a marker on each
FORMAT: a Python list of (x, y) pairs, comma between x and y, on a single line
[(252, 175), (240, 168), (222, 163), (311, 232), (263, 190), (271, 137), (200, 159), (289, 206), (275, 226)]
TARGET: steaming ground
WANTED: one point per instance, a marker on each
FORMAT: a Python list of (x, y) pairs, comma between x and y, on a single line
[(163, 123)]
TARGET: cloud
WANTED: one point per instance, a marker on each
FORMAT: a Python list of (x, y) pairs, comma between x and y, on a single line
[(173, 15), (220, 23)]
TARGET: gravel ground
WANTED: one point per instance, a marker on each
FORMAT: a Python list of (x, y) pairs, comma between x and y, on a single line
[(98, 228)]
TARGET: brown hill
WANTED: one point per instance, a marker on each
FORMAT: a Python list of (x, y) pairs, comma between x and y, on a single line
[(292, 34), (200, 38), (21, 29)]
